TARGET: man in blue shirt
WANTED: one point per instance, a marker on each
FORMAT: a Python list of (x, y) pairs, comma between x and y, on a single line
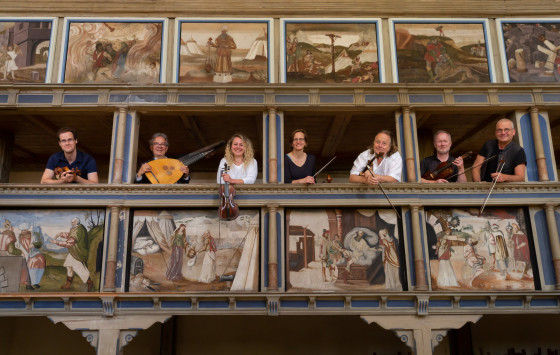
[(75, 166)]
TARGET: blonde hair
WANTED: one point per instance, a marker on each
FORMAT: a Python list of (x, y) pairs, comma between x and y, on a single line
[(247, 156)]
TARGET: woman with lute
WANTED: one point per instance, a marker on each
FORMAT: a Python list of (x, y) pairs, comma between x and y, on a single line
[(159, 144), (442, 167), (239, 157), (299, 166)]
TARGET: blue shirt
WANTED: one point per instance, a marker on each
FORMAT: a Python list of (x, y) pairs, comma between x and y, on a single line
[(83, 162)]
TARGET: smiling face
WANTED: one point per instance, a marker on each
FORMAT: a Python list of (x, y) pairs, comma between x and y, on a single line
[(238, 147), (159, 147), (504, 132), (382, 144), (442, 143), (298, 141), (67, 142)]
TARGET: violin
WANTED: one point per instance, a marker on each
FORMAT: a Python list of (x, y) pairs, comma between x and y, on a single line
[(444, 170), (59, 170), (228, 210)]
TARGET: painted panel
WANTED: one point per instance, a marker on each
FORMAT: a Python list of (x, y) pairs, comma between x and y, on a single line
[(103, 51), (331, 51), (210, 51), (490, 252), (344, 250), (530, 49), (192, 250), (441, 51), (51, 250), (25, 50)]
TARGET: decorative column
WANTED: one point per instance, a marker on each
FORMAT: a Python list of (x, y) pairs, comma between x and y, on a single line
[(409, 146), (419, 265), (272, 249), (539, 148), (111, 264), (554, 242), (272, 153), (118, 162), (422, 333), (108, 335)]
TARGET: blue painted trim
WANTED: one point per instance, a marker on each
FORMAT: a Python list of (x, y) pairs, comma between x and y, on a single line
[(544, 302), (34, 99), (291, 99), (551, 98), (162, 98), (279, 249), (244, 99), (80, 99), (266, 168), (265, 249), (176, 304), (135, 304), (425, 254), (473, 303), (401, 303), (12, 305), (505, 98), (547, 151), (508, 303), (279, 170), (425, 99), (404, 176), (529, 147), (212, 304), (118, 98), (127, 147), (294, 303), (364, 304), (336, 98), (547, 267), (121, 253), (192, 99), (410, 244), (378, 99), (251, 304), (470, 98), (4, 99), (330, 303), (87, 304), (440, 303), (39, 304)]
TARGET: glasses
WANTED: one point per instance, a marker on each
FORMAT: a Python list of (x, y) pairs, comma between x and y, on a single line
[(504, 130), (160, 144), (69, 140), (299, 139)]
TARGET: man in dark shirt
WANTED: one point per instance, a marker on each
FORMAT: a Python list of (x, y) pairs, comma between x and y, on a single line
[(159, 144), (505, 150), (75, 166), (442, 144)]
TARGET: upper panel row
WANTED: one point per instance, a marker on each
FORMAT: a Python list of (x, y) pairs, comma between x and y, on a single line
[(309, 51)]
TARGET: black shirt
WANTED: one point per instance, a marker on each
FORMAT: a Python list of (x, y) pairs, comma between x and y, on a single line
[(432, 162), (512, 155)]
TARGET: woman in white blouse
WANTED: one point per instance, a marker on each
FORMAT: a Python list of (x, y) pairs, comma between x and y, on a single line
[(383, 158), (239, 158)]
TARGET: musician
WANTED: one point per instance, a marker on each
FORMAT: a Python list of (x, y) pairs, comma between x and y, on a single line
[(84, 166), (239, 157), (299, 166), (382, 157), (506, 150), (159, 144), (442, 145)]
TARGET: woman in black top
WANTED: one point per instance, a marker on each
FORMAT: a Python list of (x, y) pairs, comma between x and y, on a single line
[(299, 167)]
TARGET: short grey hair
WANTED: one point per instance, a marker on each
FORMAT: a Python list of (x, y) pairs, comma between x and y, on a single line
[(159, 134)]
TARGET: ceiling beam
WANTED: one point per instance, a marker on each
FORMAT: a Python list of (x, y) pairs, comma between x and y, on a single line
[(555, 123), (189, 122), (475, 130), (336, 132), (421, 118), (19, 150)]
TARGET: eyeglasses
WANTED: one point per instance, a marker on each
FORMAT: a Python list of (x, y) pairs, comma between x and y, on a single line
[(161, 144), (504, 130), (299, 139), (69, 140)]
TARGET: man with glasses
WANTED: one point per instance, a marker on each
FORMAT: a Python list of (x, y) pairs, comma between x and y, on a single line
[(70, 165), (502, 150), (159, 144)]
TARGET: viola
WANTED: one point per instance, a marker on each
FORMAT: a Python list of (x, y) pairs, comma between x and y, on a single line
[(59, 170), (444, 170), (228, 208)]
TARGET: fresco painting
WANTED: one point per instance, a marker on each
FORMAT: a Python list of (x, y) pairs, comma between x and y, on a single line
[(192, 250), (344, 250), (330, 52), (51, 250), (113, 52), (441, 53), (24, 51), (490, 252), (532, 51), (223, 52)]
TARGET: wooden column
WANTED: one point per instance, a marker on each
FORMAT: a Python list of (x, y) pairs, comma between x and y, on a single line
[(554, 242), (272, 249), (409, 146), (272, 153), (419, 265), (539, 148), (118, 162), (111, 264), (6, 150)]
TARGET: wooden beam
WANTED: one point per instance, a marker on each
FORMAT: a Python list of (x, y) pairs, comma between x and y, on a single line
[(421, 118), (475, 130), (259, 142), (555, 123), (189, 122), (19, 150), (336, 132)]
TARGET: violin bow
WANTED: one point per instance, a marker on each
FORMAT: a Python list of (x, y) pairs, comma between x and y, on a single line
[(324, 166), (501, 165), (384, 193), (474, 166)]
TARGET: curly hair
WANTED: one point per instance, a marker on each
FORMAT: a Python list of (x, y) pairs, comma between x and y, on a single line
[(394, 147), (247, 156)]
